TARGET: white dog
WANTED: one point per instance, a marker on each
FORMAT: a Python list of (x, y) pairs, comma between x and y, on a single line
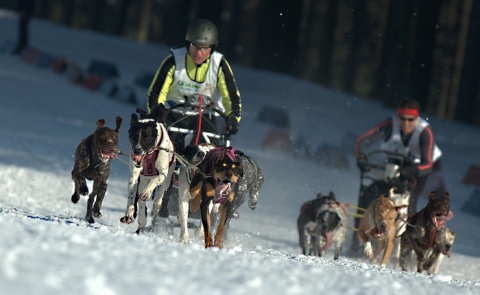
[(152, 162)]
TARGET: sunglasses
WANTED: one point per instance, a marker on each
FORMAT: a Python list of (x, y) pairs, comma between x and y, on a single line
[(407, 119), (198, 48)]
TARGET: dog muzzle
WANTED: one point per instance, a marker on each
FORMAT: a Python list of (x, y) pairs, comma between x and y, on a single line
[(137, 159), (222, 191), (106, 156)]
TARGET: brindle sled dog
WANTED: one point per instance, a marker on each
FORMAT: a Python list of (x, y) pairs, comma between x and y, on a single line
[(92, 162)]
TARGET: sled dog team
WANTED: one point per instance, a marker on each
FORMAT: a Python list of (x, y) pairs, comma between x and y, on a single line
[(419, 242), (216, 180)]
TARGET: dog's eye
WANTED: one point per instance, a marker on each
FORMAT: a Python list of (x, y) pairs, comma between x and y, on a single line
[(234, 166)]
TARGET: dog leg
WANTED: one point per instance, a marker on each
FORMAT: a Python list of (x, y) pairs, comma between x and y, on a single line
[(207, 231), (252, 203), (396, 253), (378, 249), (132, 196), (142, 215), (81, 163), (89, 215), (167, 224), (434, 268), (183, 200), (302, 236), (225, 210), (388, 251), (405, 251), (101, 191)]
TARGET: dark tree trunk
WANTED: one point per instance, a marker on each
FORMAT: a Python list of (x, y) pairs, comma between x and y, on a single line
[(392, 74), (467, 105), (423, 47)]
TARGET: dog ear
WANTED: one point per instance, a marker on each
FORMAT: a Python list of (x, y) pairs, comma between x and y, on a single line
[(142, 113), (331, 194), (100, 123), (119, 123), (240, 169), (134, 119), (159, 113), (447, 196)]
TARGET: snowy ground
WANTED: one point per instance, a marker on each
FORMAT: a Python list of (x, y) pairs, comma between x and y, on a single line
[(48, 248)]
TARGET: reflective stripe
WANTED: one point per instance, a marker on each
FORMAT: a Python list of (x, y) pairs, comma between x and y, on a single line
[(395, 143), (184, 86)]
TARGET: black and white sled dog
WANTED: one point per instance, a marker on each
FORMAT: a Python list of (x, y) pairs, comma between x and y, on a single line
[(152, 162), (321, 222)]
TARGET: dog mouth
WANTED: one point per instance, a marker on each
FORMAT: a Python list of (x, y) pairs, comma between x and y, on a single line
[(380, 232), (222, 191), (107, 154), (447, 251), (137, 159), (439, 219)]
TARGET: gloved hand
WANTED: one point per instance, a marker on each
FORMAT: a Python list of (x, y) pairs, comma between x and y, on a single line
[(232, 123), (409, 172), (362, 163)]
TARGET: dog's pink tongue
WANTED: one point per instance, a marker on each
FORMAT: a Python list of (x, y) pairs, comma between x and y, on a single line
[(449, 215), (112, 155), (440, 220), (135, 158), (221, 192), (328, 238)]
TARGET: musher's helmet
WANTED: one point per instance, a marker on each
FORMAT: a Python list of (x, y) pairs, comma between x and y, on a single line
[(202, 32)]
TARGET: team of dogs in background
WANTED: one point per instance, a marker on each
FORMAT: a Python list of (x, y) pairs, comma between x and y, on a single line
[(217, 180), (419, 242)]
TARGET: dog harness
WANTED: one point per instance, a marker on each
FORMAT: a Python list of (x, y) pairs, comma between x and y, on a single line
[(149, 160), (433, 232)]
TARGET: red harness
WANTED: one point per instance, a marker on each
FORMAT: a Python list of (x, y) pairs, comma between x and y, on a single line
[(149, 160)]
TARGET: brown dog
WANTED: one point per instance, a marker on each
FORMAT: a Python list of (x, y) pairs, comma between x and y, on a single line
[(215, 182), (425, 232), (378, 223), (92, 162)]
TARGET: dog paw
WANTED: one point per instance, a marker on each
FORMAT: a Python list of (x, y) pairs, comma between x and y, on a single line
[(252, 204), (75, 198), (83, 190), (367, 251), (208, 242), (89, 219), (126, 220)]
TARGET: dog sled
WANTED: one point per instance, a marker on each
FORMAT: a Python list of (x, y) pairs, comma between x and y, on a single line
[(194, 121)]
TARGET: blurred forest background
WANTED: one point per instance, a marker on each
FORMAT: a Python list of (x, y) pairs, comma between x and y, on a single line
[(379, 49)]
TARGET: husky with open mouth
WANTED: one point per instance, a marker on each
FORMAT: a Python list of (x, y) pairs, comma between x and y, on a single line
[(426, 231)]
